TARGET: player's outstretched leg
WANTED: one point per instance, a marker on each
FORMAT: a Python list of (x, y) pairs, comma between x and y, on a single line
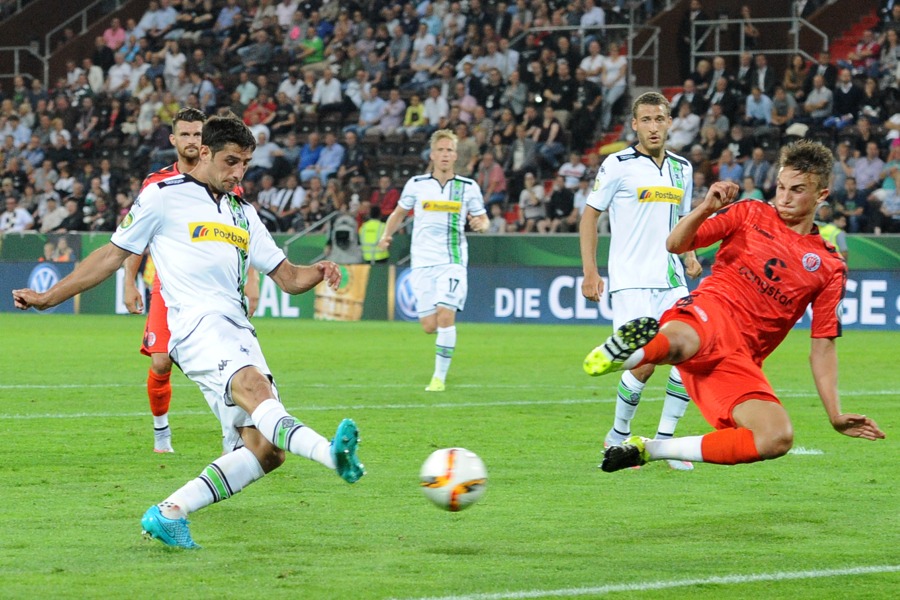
[(629, 454), (622, 345), (674, 407), (343, 451), (159, 392)]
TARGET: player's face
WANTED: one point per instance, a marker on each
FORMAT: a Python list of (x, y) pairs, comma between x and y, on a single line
[(797, 196), (443, 154), (186, 139), (652, 126), (226, 167)]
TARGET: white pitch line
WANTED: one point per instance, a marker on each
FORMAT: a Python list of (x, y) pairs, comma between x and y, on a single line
[(665, 585)]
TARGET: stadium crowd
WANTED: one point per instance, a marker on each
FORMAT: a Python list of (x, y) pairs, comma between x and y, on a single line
[(342, 97)]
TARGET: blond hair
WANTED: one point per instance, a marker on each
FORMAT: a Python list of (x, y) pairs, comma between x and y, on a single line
[(443, 134)]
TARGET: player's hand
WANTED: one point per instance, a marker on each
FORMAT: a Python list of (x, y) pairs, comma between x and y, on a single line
[(25, 299), (252, 302), (133, 300), (692, 266), (859, 426), (385, 242), (478, 224), (331, 273), (721, 194), (592, 287)]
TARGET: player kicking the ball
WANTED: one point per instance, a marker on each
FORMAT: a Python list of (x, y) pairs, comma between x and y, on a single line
[(771, 265), (187, 126), (204, 239)]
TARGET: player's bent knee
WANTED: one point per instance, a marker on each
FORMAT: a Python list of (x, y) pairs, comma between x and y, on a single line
[(775, 444), (160, 363)]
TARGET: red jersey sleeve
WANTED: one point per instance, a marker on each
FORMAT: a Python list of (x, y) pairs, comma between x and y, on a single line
[(827, 306), (721, 225)]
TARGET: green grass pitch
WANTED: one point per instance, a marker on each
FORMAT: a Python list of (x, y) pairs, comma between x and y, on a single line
[(78, 472)]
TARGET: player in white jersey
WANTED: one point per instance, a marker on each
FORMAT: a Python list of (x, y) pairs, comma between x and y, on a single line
[(203, 239), (443, 202), (646, 189)]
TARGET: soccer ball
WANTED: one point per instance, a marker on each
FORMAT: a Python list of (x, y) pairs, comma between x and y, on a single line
[(453, 478)]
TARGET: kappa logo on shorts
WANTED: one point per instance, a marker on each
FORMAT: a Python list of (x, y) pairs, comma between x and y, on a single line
[(223, 363), (245, 350)]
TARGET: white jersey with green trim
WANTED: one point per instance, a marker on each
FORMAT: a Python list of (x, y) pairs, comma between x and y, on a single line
[(201, 247), (440, 218), (644, 202)]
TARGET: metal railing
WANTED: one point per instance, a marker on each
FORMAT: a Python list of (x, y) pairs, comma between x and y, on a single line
[(26, 54), (715, 28), (83, 20)]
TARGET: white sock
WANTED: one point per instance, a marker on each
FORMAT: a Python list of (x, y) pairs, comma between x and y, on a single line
[(290, 434), (685, 448), (225, 477), (444, 347), (633, 360), (161, 422), (628, 395), (675, 405)]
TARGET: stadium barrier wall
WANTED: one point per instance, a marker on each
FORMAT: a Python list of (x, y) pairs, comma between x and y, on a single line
[(512, 279)]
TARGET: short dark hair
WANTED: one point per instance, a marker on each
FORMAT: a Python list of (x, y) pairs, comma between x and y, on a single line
[(808, 156), (220, 131), (189, 115), (651, 99)]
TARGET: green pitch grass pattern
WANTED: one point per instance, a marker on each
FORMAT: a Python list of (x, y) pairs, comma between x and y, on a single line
[(79, 471)]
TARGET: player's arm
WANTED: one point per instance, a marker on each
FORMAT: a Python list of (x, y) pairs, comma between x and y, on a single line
[(479, 224), (592, 284), (133, 300), (720, 195), (391, 226), (296, 279), (692, 266), (824, 363), (251, 290), (99, 265)]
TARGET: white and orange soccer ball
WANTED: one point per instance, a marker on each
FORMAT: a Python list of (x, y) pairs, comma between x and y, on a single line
[(453, 478)]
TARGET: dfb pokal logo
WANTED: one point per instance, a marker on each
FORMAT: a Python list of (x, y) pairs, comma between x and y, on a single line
[(406, 299), (42, 278)]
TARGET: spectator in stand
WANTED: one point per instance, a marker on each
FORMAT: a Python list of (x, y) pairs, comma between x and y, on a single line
[(819, 103), (750, 190), (702, 78), (328, 163), (784, 109), (886, 219), (103, 56), (15, 218), (795, 76), (613, 82), (515, 95), (758, 108), (352, 171), (592, 64), (118, 80), (309, 152), (852, 203), (686, 30), (228, 16), (288, 204), (757, 168), (414, 118), (531, 204), (370, 112), (868, 169), (684, 129), (491, 180), (74, 220), (572, 171), (53, 214), (205, 91), (560, 209), (700, 162), (263, 158), (234, 37), (847, 101), (715, 117), (699, 189), (823, 68), (328, 97), (114, 35), (549, 137), (862, 135), (256, 57), (863, 59), (730, 169), (690, 96), (436, 108), (384, 197), (844, 161), (392, 115), (740, 145), (763, 75)]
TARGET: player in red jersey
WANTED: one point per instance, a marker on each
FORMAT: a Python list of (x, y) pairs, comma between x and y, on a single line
[(187, 127), (770, 266)]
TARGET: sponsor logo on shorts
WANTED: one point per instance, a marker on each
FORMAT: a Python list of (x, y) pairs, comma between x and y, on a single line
[(664, 194), (811, 262), (701, 313), (219, 232), (441, 206)]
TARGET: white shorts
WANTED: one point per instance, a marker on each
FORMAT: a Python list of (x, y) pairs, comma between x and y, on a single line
[(210, 356), (447, 285), (643, 302)]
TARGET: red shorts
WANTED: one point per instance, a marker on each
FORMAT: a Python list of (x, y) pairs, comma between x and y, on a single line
[(723, 373), (156, 332)]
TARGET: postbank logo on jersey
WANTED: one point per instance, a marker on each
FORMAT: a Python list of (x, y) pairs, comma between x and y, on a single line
[(219, 232), (663, 194), (448, 206)]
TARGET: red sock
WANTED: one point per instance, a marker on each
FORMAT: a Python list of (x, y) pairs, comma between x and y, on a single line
[(729, 447), (159, 391), (656, 351)]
